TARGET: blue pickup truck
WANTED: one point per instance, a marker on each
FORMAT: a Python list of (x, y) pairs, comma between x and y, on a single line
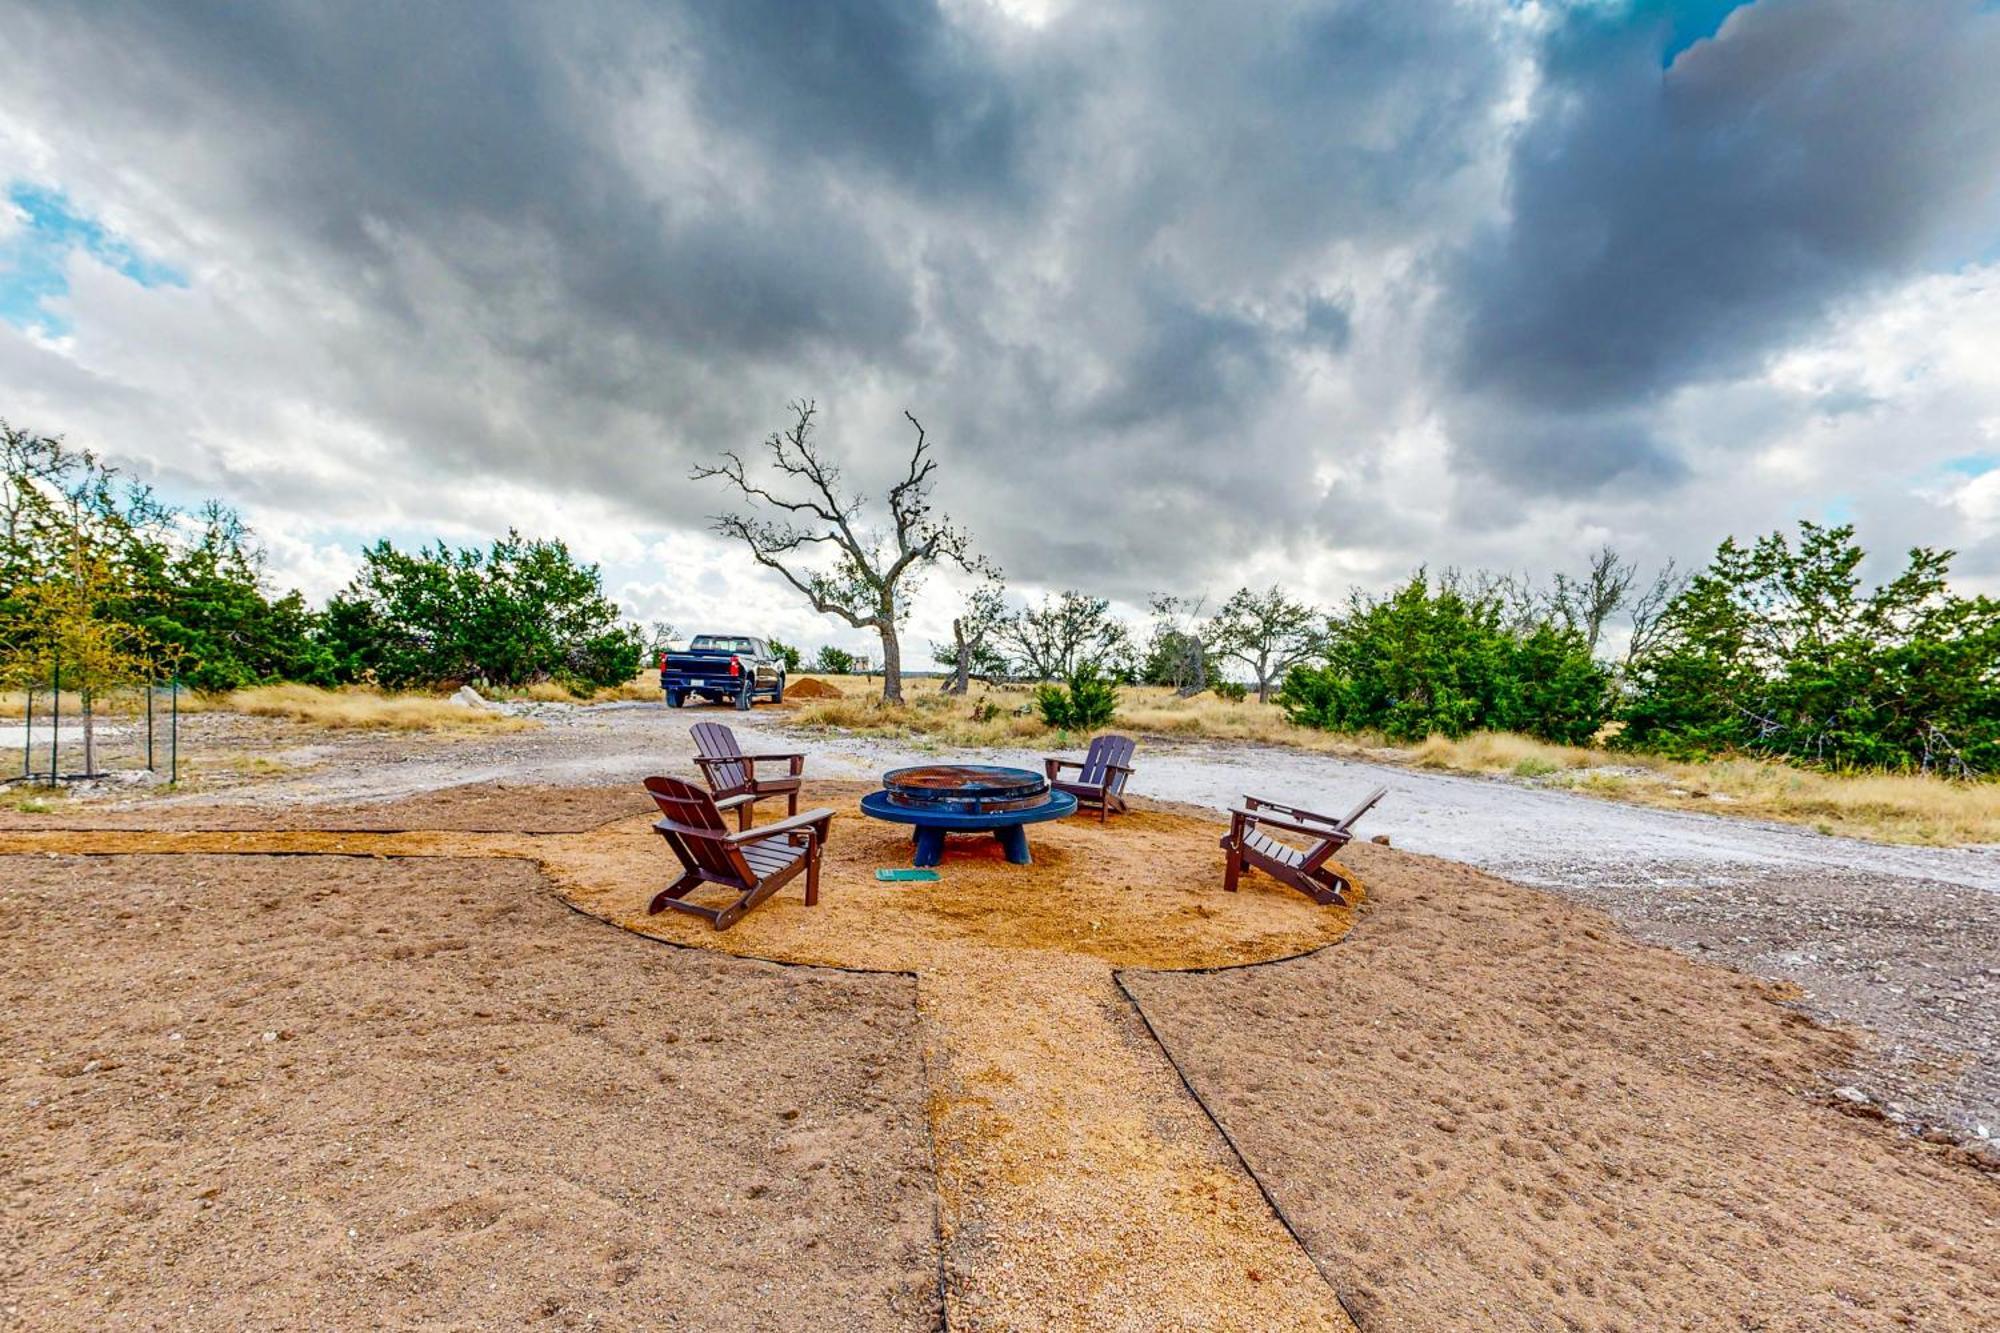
[(722, 668)]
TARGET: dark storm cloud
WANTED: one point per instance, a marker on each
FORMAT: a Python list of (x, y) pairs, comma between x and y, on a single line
[(891, 86), (1129, 266), (1665, 225)]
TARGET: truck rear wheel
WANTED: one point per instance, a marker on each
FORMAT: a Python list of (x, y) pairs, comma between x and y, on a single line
[(673, 698), (745, 696)]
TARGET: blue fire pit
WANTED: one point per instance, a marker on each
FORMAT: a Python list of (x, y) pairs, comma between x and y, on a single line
[(967, 798)]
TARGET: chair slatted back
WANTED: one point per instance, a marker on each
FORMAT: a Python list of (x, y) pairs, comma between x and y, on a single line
[(1367, 804), (709, 847), (712, 740), (1107, 752)]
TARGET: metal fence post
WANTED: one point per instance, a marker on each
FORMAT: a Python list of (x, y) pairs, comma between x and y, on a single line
[(55, 728), (149, 725), (28, 740), (174, 735)]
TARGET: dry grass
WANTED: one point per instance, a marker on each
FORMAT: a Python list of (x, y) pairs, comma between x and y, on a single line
[(118, 703), (356, 706), (1890, 807)]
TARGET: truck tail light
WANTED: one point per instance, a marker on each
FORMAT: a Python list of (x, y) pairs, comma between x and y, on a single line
[(735, 667), (663, 661)]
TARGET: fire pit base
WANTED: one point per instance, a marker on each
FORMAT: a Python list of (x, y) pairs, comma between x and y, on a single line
[(965, 799)]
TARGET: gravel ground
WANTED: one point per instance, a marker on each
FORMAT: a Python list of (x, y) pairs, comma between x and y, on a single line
[(1898, 939)]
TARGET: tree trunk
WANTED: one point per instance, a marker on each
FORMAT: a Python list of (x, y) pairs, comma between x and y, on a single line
[(892, 662), (1197, 670), (89, 737), (961, 676)]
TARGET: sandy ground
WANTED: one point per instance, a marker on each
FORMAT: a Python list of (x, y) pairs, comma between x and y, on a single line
[(1080, 1187), (1917, 929), (1484, 1108), (1487, 1109), (338, 1092)]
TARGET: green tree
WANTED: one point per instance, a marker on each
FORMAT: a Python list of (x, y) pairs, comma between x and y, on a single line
[(790, 656), (1177, 648), (1777, 649), (834, 661), (206, 598), (1447, 661), (1267, 632), (1066, 632), (520, 612)]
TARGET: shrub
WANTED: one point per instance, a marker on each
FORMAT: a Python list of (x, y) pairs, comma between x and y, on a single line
[(835, 661), (1425, 662), (1085, 704), (1234, 691)]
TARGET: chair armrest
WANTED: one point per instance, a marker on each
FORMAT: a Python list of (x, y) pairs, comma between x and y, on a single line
[(794, 824), (1254, 804), (1053, 764), (1341, 836), (797, 762)]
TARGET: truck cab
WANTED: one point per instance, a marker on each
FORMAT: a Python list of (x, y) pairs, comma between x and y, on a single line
[(735, 669)]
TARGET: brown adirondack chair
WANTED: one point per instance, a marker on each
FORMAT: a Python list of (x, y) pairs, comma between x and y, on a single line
[(1306, 869), (1100, 779), (752, 864), (732, 773)]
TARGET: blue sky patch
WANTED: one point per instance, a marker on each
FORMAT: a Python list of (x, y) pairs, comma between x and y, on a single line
[(34, 254), (1972, 465), (1686, 21)]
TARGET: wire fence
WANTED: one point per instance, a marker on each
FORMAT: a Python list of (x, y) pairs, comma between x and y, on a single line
[(63, 736)]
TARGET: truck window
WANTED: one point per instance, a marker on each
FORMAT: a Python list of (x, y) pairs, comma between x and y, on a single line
[(722, 643)]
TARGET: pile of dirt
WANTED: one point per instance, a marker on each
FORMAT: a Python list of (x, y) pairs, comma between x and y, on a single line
[(805, 687), (349, 1093), (1488, 1108)]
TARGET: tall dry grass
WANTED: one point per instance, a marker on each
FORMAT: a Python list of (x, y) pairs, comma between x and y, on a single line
[(1890, 807), (356, 706)]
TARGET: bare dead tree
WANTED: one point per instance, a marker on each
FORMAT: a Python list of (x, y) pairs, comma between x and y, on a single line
[(875, 572), (1587, 604), (1649, 611)]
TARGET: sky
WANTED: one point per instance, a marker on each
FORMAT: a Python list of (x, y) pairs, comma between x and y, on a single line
[(1187, 296)]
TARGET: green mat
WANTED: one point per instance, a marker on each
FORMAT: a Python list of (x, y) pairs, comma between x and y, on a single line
[(899, 876)]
